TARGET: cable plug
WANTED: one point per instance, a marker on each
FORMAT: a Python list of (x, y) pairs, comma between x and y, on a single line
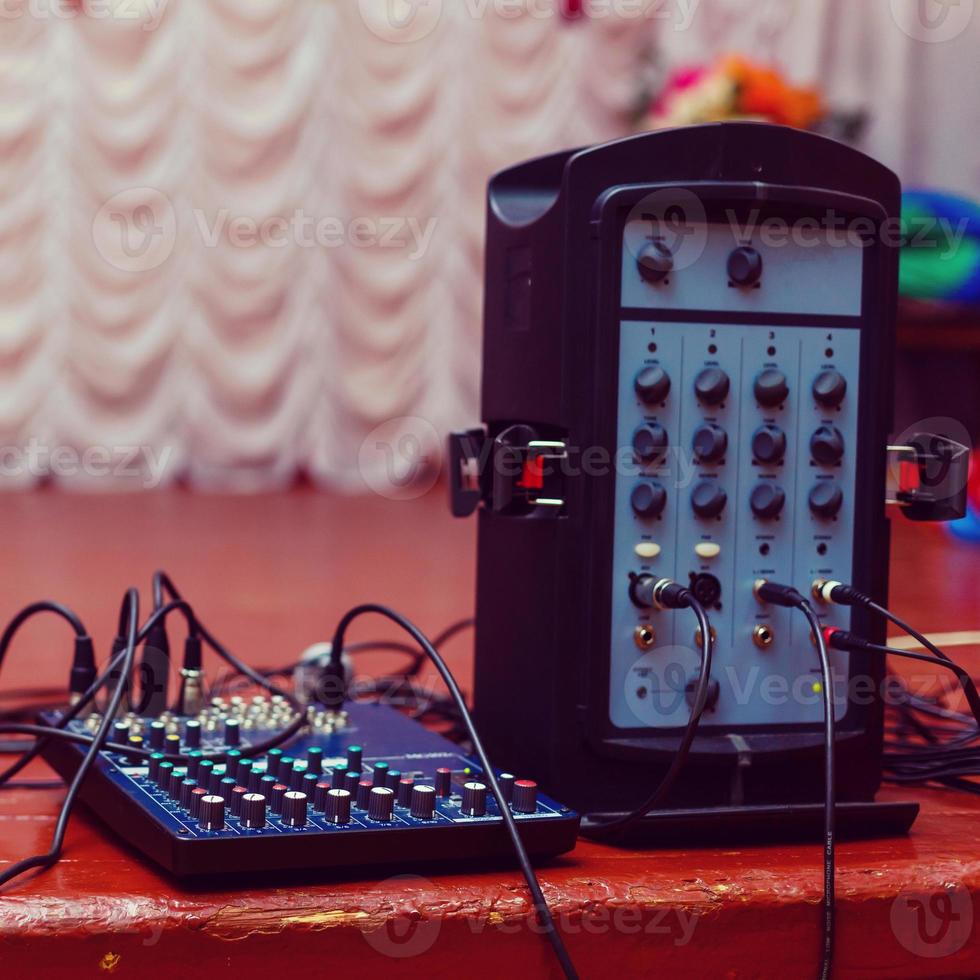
[(331, 684), (190, 699), (155, 671), (778, 595), (826, 590), (843, 640), (83, 672), (667, 594)]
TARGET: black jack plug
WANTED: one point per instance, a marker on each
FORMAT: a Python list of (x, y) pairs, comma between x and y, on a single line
[(83, 671), (778, 595)]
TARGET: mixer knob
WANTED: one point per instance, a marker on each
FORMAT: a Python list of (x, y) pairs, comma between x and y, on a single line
[(712, 386), (354, 755), (197, 794), (745, 266), (253, 811), (351, 781), (309, 784), (337, 776), (710, 443), (655, 262), (211, 814), (525, 796), (338, 806), (474, 799), (233, 732), (827, 445), (423, 804), (506, 783), (769, 444), (187, 787), (158, 731), (176, 777), (405, 786), (192, 734), (363, 798), (829, 388), (826, 499), (381, 805), (380, 775), (294, 809), (194, 760), (320, 792), (767, 501), (648, 499), (393, 778), (279, 791), (156, 759), (314, 760), (650, 442), (243, 771), (652, 385), (237, 795), (771, 388), (284, 769), (708, 499), (444, 778)]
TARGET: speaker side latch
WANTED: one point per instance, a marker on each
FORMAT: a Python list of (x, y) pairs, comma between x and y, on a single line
[(927, 478), (517, 473)]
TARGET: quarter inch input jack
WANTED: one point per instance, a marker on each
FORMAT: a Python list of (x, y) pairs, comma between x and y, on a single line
[(763, 636), (644, 636)]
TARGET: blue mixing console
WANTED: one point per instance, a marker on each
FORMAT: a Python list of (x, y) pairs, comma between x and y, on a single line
[(358, 787)]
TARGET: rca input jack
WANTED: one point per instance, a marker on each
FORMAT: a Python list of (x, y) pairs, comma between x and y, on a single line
[(713, 634), (763, 636), (816, 590), (644, 636)]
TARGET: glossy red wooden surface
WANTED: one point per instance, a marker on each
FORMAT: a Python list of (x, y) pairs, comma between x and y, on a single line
[(271, 575)]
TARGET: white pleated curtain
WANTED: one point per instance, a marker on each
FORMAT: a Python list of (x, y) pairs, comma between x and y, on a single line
[(273, 154)]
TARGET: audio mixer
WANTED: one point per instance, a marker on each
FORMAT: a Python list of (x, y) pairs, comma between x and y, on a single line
[(687, 376), (364, 786)]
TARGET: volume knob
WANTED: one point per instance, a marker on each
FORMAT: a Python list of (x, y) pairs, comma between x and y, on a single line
[(771, 388), (710, 443), (381, 804), (338, 807), (423, 802), (652, 385), (525, 796), (827, 445), (767, 500), (769, 444), (655, 262), (648, 499), (211, 815), (712, 386), (474, 799), (829, 388), (294, 809), (745, 266), (253, 811), (444, 778), (708, 499), (826, 499)]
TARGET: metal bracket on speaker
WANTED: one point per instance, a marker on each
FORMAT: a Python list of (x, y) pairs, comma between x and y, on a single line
[(929, 482), (512, 474)]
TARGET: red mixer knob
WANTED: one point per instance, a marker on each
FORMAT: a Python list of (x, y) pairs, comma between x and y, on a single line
[(525, 796)]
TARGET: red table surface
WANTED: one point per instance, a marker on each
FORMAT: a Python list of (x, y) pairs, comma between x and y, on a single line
[(270, 575)]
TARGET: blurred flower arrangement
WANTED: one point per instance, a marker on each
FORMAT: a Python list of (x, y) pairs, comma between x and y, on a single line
[(737, 88)]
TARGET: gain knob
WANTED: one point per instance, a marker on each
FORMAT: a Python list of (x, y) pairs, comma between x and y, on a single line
[(381, 805), (405, 786), (444, 780), (648, 499), (338, 807), (294, 809), (829, 388), (710, 442), (827, 445), (320, 792), (771, 388), (474, 799), (712, 386), (525, 796), (423, 802), (253, 811), (769, 444), (506, 783), (655, 262), (211, 813), (745, 266), (767, 500), (652, 385), (826, 499), (650, 442), (708, 499)]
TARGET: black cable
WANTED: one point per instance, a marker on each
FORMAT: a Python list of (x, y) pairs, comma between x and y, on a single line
[(98, 743), (599, 828), (537, 896)]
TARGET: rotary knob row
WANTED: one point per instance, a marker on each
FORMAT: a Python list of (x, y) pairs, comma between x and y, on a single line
[(712, 385)]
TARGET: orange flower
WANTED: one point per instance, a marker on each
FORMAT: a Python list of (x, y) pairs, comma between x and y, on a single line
[(762, 91)]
